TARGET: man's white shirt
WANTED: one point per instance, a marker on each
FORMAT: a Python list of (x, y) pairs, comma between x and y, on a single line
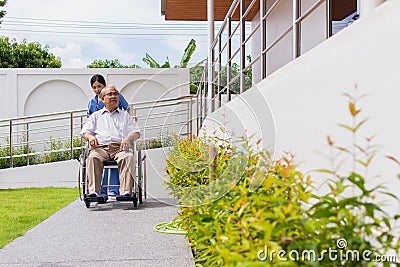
[(110, 127)]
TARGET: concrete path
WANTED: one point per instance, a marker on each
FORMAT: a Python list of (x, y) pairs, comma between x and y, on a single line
[(112, 234)]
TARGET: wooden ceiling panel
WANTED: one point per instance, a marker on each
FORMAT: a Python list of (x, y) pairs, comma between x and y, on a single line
[(343, 8), (196, 10)]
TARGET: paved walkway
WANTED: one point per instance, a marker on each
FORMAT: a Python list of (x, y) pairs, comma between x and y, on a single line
[(112, 234)]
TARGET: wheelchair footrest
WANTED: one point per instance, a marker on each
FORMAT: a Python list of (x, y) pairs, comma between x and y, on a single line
[(126, 198), (98, 199)]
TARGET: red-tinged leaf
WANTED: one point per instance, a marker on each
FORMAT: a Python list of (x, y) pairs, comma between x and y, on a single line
[(361, 96), (361, 149), (348, 95), (394, 159), (330, 142), (259, 141), (369, 138)]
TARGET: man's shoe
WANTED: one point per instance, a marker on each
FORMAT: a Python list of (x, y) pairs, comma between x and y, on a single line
[(92, 194)]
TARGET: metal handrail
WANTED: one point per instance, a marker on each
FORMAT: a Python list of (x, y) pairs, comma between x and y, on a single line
[(219, 48), (26, 132)]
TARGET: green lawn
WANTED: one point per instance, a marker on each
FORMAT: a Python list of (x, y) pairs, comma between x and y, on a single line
[(22, 209)]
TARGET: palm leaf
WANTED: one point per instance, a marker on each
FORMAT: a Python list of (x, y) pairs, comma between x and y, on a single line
[(189, 50), (150, 61)]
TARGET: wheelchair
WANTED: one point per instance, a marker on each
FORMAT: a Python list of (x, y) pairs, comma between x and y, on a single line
[(139, 185)]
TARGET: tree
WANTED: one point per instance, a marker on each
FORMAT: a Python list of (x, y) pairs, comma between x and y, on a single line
[(187, 55), (195, 71), (235, 70), (26, 55), (109, 63), (2, 12)]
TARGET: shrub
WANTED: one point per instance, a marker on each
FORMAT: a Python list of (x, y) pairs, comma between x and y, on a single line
[(20, 154), (59, 150), (154, 143), (350, 217), (250, 208), (261, 206)]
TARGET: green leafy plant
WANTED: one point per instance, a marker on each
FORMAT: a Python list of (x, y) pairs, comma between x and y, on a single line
[(269, 206), (61, 150), (110, 63), (2, 12), (26, 55), (261, 207), (154, 143), (349, 211), (22, 154)]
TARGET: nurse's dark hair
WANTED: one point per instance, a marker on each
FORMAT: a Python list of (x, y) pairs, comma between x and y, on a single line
[(97, 78)]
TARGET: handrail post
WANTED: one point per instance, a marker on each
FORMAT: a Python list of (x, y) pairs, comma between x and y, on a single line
[(242, 44), (229, 55), (190, 119), (197, 112), (201, 99), (27, 142), (263, 33), (72, 134), (328, 4), (210, 87), (296, 29), (219, 79), (11, 144)]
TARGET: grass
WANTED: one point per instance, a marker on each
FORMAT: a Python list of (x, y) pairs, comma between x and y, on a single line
[(22, 209)]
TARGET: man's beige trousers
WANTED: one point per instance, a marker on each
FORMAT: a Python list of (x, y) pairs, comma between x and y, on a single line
[(126, 166)]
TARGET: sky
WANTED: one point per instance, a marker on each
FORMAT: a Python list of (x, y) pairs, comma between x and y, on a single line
[(81, 31)]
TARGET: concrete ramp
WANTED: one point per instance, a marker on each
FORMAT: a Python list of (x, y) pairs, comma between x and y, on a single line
[(113, 234)]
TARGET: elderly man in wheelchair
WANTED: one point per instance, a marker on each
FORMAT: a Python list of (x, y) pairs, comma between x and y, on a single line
[(110, 133)]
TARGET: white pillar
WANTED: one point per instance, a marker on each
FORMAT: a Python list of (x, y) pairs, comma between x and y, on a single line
[(367, 6), (210, 19)]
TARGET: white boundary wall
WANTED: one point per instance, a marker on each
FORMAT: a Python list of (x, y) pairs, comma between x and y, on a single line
[(295, 108), (37, 91)]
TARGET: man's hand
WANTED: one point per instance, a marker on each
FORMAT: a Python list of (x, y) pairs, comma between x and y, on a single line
[(93, 141), (125, 145)]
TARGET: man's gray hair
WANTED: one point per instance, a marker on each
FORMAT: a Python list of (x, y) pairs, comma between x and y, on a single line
[(103, 91)]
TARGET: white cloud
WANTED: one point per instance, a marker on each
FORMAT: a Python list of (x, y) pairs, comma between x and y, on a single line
[(71, 56)]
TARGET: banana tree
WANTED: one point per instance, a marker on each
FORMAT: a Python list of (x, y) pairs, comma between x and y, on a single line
[(187, 55), (195, 71)]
